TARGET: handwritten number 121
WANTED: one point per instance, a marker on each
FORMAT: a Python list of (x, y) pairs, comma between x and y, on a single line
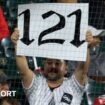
[(60, 25)]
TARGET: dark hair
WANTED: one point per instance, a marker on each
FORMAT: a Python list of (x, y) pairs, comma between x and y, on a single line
[(10, 100)]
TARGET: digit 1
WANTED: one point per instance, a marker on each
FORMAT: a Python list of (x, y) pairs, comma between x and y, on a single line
[(25, 38), (76, 41)]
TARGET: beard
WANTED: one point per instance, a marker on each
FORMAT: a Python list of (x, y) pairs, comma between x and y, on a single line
[(53, 74)]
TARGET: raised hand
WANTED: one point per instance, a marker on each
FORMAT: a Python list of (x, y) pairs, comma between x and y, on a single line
[(15, 36)]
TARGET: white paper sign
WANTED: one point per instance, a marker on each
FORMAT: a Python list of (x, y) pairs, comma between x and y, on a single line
[(53, 30)]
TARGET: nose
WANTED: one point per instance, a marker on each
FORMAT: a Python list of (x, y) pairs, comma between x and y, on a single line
[(53, 65)]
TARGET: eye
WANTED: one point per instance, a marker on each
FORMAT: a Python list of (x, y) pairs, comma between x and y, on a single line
[(49, 62), (57, 63)]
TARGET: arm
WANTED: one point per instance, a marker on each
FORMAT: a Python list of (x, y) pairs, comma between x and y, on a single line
[(82, 68), (25, 72), (21, 61)]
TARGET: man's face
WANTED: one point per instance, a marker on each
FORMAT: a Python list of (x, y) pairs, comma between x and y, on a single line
[(54, 69), (4, 87)]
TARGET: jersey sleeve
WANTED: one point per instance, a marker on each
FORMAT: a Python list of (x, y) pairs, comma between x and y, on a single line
[(31, 90), (75, 85)]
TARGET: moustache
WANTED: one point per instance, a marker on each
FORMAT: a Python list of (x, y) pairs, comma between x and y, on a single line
[(53, 70)]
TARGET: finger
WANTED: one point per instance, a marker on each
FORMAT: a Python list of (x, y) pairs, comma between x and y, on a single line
[(88, 34), (16, 32), (14, 38), (16, 29)]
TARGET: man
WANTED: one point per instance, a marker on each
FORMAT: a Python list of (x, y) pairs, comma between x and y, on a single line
[(51, 87), (4, 84), (98, 56)]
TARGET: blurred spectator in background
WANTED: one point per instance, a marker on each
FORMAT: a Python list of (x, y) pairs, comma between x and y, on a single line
[(4, 82), (9, 101), (98, 55), (4, 31)]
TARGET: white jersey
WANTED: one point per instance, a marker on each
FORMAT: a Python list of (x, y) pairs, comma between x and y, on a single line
[(69, 93)]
